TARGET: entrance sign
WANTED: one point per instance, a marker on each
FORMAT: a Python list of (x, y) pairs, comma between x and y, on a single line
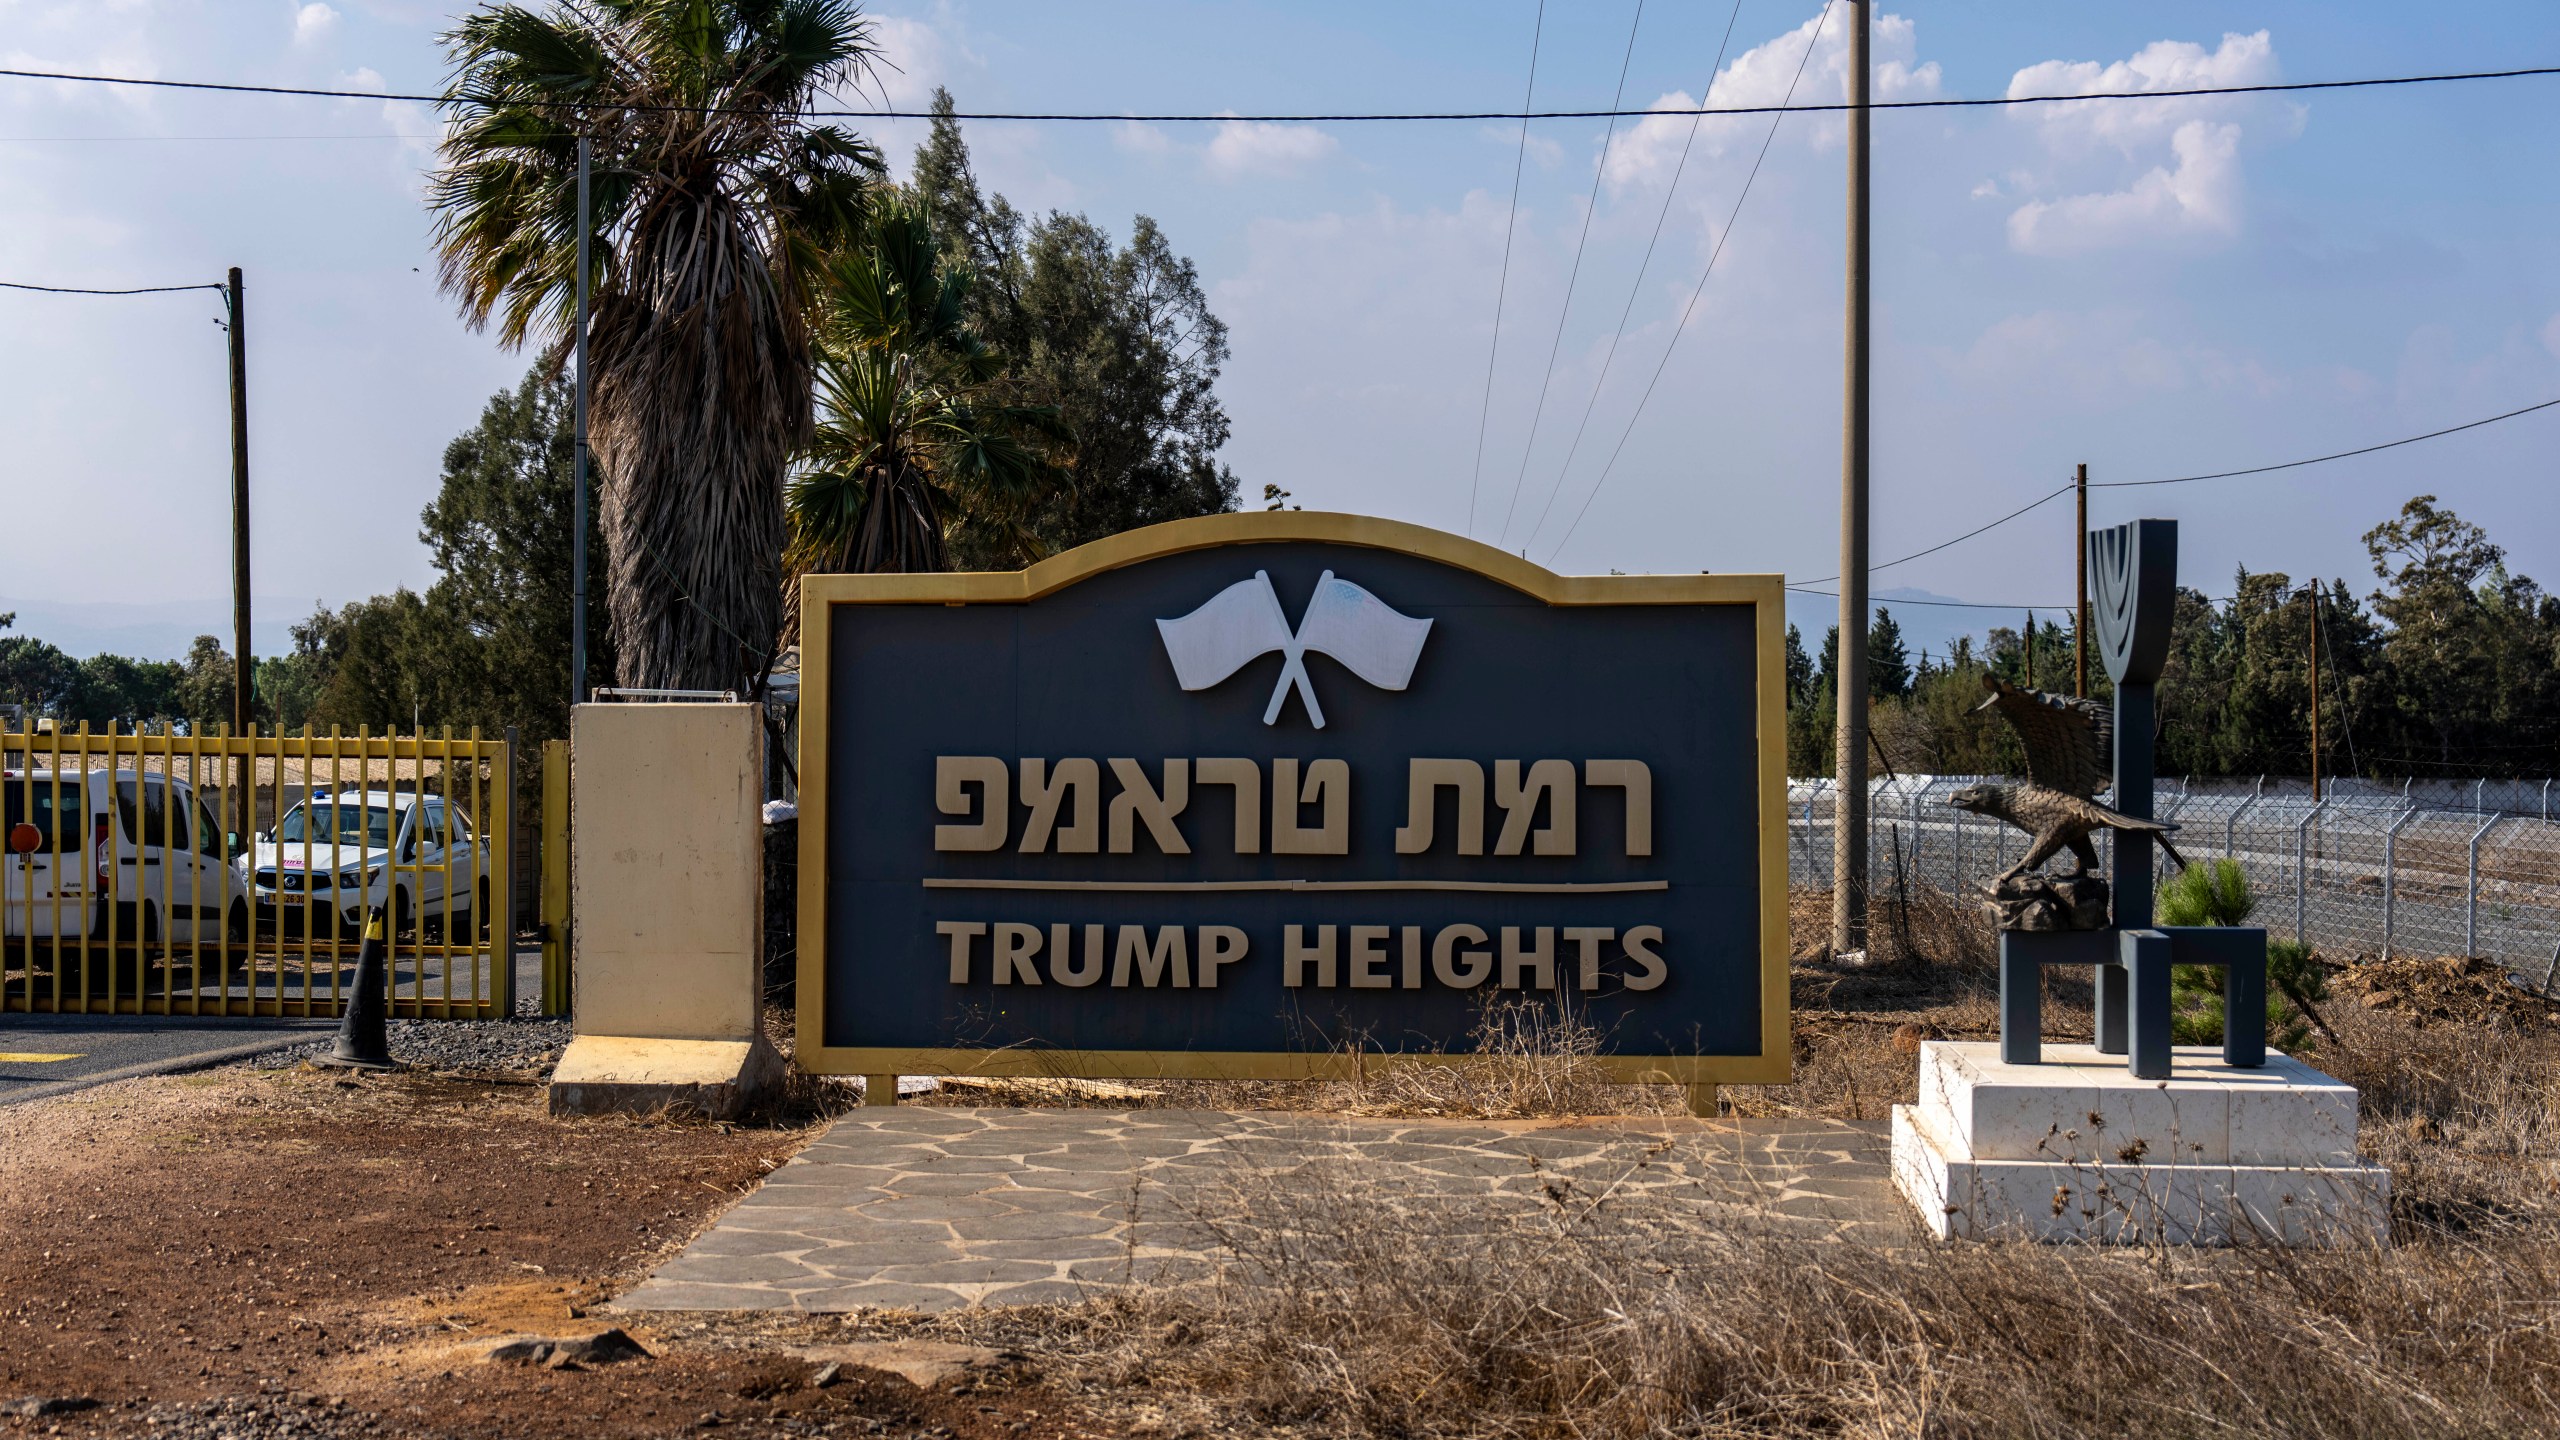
[(1066, 821)]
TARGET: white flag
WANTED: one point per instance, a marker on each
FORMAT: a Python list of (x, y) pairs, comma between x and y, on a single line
[(1239, 625), (1369, 637), (1244, 622)]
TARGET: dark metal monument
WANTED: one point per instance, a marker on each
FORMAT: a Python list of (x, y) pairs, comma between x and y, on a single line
[(2078, 919)]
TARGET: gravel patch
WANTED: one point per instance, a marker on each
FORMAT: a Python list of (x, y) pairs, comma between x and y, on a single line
[(256, 1417), (515, 1045)]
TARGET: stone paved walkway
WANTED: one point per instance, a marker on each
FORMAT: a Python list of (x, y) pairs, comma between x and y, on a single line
[(929, 1208)]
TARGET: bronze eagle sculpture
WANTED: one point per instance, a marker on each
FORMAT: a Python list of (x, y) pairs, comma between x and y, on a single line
[(2070, 747)]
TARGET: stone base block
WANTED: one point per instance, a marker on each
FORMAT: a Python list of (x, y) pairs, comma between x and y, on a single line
[(614, 1074), (2077, 1149)]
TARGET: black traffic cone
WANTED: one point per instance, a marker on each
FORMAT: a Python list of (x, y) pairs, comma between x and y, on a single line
[(363, 1043)]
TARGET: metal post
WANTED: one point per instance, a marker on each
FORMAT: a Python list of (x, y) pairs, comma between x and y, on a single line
[(2231, 826), (2391, 879), (243, 682), (2302, 864), (578, 449), (2471, 891), (1849, 820), (2080, 612), (2315, 690)]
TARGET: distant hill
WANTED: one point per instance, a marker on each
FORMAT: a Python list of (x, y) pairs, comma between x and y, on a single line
[(1932, 628), (151, 632)]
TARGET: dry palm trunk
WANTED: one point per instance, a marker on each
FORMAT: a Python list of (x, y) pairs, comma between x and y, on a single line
[(701, 396)]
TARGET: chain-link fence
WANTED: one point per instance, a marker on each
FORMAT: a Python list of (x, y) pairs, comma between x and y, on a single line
[(2370, 869)]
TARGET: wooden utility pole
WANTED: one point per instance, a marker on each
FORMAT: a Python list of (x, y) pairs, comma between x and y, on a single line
[(1849, 816), (2315, 692), (2080, 611), (243, 693)]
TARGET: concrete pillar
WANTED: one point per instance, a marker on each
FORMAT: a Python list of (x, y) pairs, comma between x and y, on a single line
[(667, 883)]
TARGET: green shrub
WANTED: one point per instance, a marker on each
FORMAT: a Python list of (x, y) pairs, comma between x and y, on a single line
[(2216, 892)]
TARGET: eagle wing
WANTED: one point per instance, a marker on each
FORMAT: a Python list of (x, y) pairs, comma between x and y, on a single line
[(2070, 743)]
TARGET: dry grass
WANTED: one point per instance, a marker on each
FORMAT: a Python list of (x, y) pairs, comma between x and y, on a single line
[(1349, 1312), (1352, 1314), (1526, 1058)]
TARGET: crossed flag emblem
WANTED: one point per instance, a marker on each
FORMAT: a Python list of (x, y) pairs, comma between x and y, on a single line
[(1244, 622)]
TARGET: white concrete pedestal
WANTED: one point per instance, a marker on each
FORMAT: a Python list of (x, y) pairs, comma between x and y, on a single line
[(2077, 1148)]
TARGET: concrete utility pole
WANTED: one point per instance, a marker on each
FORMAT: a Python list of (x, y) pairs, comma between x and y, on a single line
[(243, 694), (1849, 818), (2080, 610), (578, 450)]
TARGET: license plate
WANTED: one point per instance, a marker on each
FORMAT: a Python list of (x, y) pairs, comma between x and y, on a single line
[(288, 899)]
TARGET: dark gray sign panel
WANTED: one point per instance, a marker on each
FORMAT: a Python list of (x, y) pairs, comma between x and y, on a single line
[(1243, 795)]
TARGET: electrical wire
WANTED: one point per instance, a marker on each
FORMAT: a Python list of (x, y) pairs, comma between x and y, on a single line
[(2320, 459), (1643, 267), (2045, 499), (1883, 604), (2057, 494), (1812, 40), (1229, 117), (1502, 287), (1573, 278), (78, 290)]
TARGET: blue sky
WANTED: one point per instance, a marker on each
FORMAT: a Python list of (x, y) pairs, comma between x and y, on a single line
[(2155, 288)]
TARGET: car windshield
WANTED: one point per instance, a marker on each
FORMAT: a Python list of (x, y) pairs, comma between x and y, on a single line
[(325, 821)]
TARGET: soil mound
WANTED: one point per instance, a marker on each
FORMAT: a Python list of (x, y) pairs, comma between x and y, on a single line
[(2464, 990)]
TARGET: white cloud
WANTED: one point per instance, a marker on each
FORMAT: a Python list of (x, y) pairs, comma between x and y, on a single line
[(312, 23), (2134, 126), (2200, 197), (2551, 336), (1139, 138), (1245, 147), (1647, 153), (2195, 191)]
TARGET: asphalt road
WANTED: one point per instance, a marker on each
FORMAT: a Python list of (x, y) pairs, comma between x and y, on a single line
[(43, 1055)]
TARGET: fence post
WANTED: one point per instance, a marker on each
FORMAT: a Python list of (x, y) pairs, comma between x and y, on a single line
[(2231, 826), (2302, 865), (2391, 879), (2471, 890)]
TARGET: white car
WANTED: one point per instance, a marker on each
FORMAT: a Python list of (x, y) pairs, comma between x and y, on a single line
[(75, 839), (334, 857)]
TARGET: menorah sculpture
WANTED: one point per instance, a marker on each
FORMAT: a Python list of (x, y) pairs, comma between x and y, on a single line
[(2136, 571), (2258, 1147)]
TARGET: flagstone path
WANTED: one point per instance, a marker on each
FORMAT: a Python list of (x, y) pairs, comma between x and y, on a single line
[(930, 1208)]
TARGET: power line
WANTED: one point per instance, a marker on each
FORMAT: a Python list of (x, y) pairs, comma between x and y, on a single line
[(78, 290), (1101, 117), (1882, 603), (1502, 287), (2216, 475), (1573, 278), (2318, 459), (1969, 534), (1643, 267), (1691, 308)]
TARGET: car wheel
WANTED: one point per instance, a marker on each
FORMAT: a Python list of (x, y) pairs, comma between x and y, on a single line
[(480, 911)]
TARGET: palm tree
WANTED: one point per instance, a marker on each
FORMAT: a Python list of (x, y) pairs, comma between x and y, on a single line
[(916, 434), (714, 203)]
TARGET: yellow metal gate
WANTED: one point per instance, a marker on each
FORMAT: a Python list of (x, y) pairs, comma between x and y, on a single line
[(165, 873)]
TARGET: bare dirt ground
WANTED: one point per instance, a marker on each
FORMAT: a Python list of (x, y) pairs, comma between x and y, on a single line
[(256, 1253), (289, 1253)]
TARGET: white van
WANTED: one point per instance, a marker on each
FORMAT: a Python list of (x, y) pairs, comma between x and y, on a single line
[(332, 858), (147, 841)]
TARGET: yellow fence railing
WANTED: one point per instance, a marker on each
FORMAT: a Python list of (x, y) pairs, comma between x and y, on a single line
[(172, 873)]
